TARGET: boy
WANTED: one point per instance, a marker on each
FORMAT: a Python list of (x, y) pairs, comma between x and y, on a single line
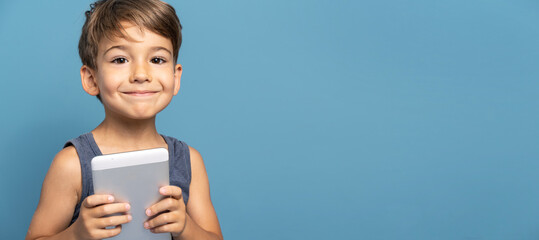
[(129, 50)]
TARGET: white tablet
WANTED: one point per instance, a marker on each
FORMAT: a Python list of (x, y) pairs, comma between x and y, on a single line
[(133, 177)]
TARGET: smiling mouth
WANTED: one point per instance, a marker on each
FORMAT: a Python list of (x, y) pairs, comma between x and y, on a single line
[(140, 93)]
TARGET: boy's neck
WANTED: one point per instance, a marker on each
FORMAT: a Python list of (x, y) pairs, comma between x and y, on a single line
[(120, 135)]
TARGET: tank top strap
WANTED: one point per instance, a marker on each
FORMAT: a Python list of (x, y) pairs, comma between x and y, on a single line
[(179, 165)]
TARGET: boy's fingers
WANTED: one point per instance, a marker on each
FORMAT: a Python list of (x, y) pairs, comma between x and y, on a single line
[(94, 200), (108, 233), (163, 228), (162, 219), (165, 204), (113, 221), (111, 208), (172, 191)]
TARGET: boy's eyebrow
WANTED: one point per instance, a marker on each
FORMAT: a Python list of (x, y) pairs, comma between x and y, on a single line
[(113, 47), (153, 49)]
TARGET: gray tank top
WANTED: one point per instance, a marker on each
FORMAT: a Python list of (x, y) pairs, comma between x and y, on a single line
[(179, 165)]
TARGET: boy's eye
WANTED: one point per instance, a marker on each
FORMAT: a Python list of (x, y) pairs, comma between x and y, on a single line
[(158, 60), (119, 60)]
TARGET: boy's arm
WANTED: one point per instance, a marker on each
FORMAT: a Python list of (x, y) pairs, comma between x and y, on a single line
[(58, 197), (201, 219), (197, 220)]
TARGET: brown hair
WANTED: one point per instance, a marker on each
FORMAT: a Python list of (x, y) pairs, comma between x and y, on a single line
[(104, 17)]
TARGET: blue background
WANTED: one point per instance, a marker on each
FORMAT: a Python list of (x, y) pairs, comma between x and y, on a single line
[(320, 119)]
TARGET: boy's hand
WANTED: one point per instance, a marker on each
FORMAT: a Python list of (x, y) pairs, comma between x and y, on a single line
[(92, 222), (168, 214)]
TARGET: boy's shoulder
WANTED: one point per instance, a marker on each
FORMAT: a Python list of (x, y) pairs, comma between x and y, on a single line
[(65, 172), (66, 161)]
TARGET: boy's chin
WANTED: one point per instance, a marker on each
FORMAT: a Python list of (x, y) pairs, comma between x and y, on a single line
[(133, 115), (142, 116)]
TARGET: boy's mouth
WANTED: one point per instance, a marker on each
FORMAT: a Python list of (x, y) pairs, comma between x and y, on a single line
[(140, 93)]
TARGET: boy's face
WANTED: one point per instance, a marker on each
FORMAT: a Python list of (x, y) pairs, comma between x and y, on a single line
[(135, 79)]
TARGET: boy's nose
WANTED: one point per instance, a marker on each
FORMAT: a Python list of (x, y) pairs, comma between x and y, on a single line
[(140, 74)]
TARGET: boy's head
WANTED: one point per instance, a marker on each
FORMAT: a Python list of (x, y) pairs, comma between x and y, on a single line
[(105, 17), (129, 50)]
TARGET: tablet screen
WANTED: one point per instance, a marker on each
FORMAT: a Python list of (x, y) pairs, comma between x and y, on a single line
[(133, 177)]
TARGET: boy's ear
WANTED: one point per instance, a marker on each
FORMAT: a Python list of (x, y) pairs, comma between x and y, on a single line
[(89, 82), (177, 78)]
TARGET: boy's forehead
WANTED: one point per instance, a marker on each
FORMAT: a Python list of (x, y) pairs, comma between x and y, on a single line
[(135, 35)]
